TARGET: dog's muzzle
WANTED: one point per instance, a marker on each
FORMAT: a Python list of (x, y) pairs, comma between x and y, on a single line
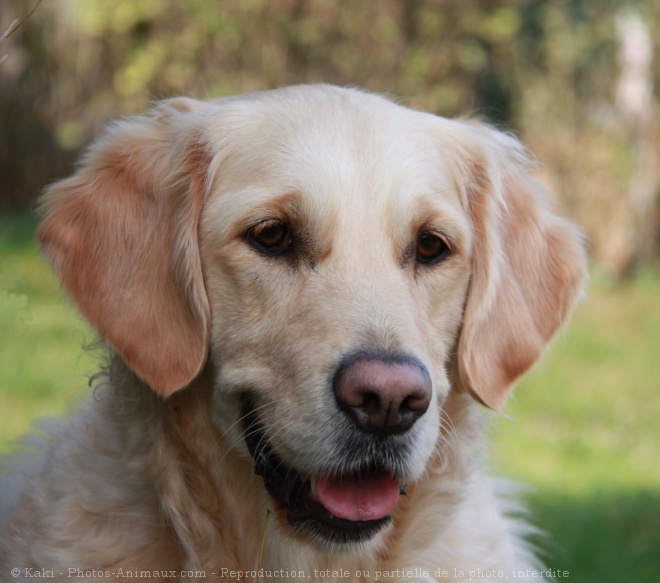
[(380, 400)]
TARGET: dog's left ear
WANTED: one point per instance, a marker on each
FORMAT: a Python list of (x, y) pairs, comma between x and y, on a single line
[(528, 267), (121, 235)]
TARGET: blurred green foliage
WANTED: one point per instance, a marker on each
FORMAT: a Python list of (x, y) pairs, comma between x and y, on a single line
[(544, 68)]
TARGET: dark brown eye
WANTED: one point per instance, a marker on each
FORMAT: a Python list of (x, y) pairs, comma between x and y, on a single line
[(431, 249), (272, 237)]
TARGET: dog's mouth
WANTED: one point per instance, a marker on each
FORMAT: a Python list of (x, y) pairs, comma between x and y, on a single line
[(345, 509)]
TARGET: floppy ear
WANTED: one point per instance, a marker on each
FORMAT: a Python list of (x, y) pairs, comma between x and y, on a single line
[(528, 269), (121, 234)]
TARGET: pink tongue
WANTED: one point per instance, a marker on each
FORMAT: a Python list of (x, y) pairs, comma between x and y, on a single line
[(368, 498)]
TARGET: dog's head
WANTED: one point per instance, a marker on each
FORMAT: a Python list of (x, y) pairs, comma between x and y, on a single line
[(334, 256)]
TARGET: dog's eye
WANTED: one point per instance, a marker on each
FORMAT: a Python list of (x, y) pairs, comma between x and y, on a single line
[(431, 249), (273, 237)]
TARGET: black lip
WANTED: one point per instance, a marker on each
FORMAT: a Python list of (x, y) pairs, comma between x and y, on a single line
[(286, 486)]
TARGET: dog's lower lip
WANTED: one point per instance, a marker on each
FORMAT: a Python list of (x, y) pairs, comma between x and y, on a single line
[(296, 492)]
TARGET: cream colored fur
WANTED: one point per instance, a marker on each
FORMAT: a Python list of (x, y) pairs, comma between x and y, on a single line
[(149, 240)]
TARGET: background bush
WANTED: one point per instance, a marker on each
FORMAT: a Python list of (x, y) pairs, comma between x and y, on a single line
[(547, 69)]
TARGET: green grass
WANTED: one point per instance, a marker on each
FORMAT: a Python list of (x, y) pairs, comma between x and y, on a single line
[(588, 416), (42, 366), (583, 429)]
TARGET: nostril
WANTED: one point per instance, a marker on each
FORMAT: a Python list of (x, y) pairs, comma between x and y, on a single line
[(419, 401), (368, 411), (383, 395), (370, 402)]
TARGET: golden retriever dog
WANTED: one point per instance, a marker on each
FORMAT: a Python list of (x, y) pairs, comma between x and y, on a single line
[(311, 298)]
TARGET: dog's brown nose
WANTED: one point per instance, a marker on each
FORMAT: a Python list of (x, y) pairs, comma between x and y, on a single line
[(383, 396)]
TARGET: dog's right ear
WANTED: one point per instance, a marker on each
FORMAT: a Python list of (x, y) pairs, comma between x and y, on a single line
[(121, 234)]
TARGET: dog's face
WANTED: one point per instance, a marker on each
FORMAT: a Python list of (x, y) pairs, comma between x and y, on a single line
[(333, 256), (335, 250)]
